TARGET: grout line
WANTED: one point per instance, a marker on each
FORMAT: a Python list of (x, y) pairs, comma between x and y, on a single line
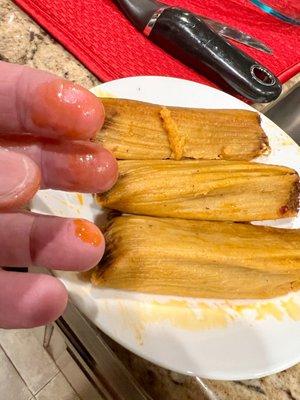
[(2, 348), (54, 376), (66, 377)]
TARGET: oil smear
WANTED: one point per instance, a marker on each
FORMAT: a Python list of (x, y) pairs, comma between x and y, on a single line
[(203, 316), (80, 198)]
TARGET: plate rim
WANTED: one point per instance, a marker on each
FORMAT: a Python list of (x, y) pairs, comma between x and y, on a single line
[(222, 375)]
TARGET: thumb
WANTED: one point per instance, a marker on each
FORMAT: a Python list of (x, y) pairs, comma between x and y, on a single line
[(19, 179)]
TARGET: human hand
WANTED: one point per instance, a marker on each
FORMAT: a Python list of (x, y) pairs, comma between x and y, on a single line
[(61, 118)]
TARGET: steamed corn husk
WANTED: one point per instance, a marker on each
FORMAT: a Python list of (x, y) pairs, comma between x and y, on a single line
[(134, 130), (199, 259), (204, 190)]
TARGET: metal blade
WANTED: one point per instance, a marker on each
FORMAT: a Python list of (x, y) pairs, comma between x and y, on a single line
[(236, 35)]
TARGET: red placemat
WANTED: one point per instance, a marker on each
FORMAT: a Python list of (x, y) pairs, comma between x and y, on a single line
[(98, 34)]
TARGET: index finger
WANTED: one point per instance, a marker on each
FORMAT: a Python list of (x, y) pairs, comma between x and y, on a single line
[(37, 102)]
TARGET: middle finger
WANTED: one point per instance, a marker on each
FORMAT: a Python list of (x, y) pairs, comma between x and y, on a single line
[(72, 166)]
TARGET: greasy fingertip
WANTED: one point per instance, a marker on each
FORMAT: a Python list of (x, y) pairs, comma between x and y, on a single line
[(101, 114), (38, 102), (67, 244), (78, 166), (110, 173), (63, 109)]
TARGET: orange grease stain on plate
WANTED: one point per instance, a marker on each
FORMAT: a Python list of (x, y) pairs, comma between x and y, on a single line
[(80, 198), (292, 309), (181, 314), (87, 232), (261, 311), (287, 141), (104, 94), (133, 321)]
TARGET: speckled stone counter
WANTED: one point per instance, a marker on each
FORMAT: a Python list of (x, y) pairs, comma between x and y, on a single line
[(24, 42), (162, 384)]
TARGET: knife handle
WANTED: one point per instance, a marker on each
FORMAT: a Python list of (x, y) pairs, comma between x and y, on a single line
[(189, 39)]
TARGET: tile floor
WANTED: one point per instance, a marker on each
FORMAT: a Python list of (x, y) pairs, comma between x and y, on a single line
[(29, 372)]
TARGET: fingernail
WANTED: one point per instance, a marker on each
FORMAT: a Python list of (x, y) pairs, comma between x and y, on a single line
[(19, 177), (88, 232)]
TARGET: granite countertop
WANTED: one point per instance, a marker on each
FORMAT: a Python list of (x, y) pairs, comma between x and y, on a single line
[(24, 42)]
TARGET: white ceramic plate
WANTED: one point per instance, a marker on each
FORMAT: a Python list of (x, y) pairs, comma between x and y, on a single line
[(211, 339)]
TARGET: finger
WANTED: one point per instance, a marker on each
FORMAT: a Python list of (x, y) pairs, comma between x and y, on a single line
[(74, 166), (40, 103), (29, 300), (19, 179), (51, 242)]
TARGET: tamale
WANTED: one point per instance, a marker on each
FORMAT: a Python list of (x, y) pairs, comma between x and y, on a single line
[(135, 130), (204, 190), (199, 258)]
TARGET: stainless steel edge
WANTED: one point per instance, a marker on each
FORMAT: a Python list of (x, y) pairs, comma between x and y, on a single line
[(103, 368), (235, 34), (112, 379), (148, 28)]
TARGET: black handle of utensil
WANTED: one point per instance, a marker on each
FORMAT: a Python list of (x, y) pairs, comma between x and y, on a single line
[(182, 34)]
